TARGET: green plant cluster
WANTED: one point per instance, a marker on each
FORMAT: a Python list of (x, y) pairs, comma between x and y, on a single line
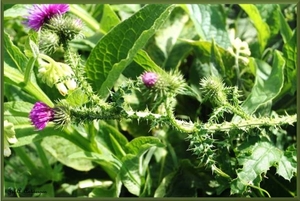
[(219, 121)]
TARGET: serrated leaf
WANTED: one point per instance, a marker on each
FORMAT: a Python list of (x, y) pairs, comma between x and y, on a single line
[(257, 159), (15, 54), (267, 85), (209, 24), (261, 26), (287, 166), (117, 49)]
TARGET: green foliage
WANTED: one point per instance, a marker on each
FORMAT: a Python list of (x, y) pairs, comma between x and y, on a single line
[(218, 119)]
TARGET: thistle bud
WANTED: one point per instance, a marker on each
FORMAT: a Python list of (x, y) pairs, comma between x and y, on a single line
[(213, 90), (149, 79)]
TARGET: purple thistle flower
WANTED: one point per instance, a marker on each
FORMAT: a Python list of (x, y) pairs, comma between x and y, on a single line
[(149, 79), (41, 114), (41, 13)]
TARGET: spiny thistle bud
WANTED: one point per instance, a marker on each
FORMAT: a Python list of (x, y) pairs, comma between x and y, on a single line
[(49, 42), (66, 27), (9, 137), (149, 79), (163, 84), (41, 114), (213, 90)]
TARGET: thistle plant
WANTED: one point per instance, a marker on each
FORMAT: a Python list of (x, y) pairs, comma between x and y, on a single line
[(103, 103)]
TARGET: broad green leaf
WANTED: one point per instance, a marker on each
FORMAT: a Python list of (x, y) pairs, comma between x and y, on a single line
[(117, 49), (216, 59), (130, 175), (15, 54), (106, 159), (262, 27), (267, 84), (133, 172), (141, 144), (270, 14), (209, 23), (109, 18), (77, 97), (220, 57), (143, 59), (290, 55), (285, 29), (112, 139), (168, 34), (17, 10), (61, 149), (177, 55), (17, 112), (13, 76)]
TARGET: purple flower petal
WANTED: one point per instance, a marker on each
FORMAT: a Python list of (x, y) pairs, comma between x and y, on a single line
[(149, 79), (41, 13), (40, 115)]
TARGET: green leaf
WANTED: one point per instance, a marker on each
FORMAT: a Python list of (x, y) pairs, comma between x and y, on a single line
[(267, 84), (18, 10), (130, 175), (77, 97), (112, 139), (255, 159), (209, 23), (117, 49), (13, 76), (287, 166), (285, 29), (143, 59), (270, 14), (17, 112), (15, 54), (31, 47), (141, 144), (28, 71), (109, 18), (290, 55), (133, 171), (261, 26), (62, 149), (220, 58)]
